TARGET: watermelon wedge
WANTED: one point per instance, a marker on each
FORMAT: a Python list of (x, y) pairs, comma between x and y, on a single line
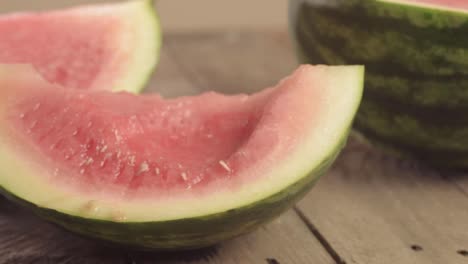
[(103, 46), (416, 58), (170, 173)]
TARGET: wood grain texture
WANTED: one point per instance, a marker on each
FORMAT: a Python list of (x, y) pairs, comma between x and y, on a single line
[(26, 239), (232, 62), (372, 208)]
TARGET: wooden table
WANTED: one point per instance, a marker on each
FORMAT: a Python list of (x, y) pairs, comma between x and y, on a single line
[(369, 208)]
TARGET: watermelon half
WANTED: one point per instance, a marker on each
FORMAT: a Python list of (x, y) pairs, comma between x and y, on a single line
[(103, 46), (170, 173), (416, 58)]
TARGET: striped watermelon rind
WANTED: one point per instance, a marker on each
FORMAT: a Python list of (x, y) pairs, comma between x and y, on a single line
[(416, 87)]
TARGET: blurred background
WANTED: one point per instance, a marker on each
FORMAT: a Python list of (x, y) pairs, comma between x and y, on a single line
[(195, 15)]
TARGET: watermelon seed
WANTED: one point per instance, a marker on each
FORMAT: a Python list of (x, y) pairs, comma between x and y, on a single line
[(197, 179), (184, 176), (36, 107), (75, 133), (33, 124), (179, 165), (104, 149), (82, 171), (22, 115), (131, 160), (117, 136), (90, 124), (89, 161), (157, 171), (143, 167), (224, 165)]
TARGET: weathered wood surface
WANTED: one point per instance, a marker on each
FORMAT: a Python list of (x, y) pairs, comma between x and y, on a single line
[(370, 208)]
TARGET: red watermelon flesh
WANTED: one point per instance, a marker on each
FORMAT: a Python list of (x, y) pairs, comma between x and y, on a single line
[(146, 146), (89, 47), (455, 4)]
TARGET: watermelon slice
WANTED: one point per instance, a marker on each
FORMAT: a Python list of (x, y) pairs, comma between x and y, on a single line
[(106, 46), (179, 173)]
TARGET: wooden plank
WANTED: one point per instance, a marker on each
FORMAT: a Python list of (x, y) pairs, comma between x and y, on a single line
[(26, 239), (372, 208), (233, 62)]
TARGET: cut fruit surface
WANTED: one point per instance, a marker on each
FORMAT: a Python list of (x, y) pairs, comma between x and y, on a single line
[(106, 46), (452, 4), (99, 156)]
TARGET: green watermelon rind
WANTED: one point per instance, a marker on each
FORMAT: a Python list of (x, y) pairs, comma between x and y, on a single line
[(142, 73), (189, 233), (415, 93), (157, 26), (455, 161), (418, 14), (417, 55), (403, 127)]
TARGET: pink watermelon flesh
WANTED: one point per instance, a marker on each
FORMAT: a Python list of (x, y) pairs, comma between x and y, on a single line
[(456, 4), (75, 48), (145, 146)]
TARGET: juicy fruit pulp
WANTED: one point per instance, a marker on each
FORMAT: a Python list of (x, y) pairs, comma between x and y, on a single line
[(94, 47), (178, 173), (461, 4), (150, 147), (416, 70)]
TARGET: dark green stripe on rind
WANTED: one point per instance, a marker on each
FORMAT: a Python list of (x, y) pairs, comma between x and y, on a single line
[(455, 161), (410, 15), (192, 232), (422, 93), (402, 127), (450, 160), (357, 40), (435, 93)]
